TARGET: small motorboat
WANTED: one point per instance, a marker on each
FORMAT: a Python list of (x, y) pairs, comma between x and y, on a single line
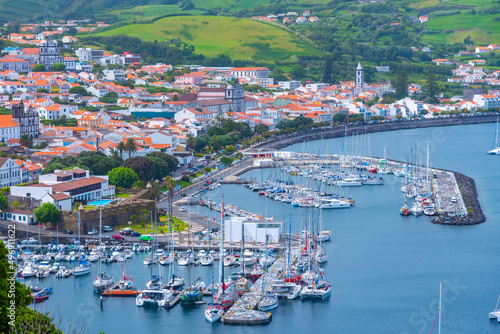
[(294, 292), (40, 297), (35, 288), (48, 290)]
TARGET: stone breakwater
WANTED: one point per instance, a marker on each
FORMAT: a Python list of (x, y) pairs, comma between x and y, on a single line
[(475, 214), (353, 129)]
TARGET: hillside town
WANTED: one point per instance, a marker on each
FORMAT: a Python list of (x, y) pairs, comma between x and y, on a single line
[(68, 109)]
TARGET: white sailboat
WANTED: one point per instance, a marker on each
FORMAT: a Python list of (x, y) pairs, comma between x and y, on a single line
[(495, 314), (496, 148), (103, 281)]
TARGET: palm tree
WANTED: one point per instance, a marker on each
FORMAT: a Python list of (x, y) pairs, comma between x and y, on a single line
[(121, 147), (171, 184), (130, 147), (115, 155)]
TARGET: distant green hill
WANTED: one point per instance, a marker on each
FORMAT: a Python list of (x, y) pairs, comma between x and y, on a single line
[(214, 35)]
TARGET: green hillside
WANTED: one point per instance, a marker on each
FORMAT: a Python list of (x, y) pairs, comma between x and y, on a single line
[(214, 35)]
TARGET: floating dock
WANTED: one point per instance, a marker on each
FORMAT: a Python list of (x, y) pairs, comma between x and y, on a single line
[(244, 312)]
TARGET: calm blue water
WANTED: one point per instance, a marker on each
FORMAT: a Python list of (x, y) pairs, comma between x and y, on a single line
[(385, 268)]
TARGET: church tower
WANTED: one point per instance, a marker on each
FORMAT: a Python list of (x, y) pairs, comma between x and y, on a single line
[(236, 95), (359, 76)]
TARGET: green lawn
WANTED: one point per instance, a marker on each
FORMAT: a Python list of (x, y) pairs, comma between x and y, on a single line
[(481, 28), (475, 3), (184, 184), (122, 195), (179, 225), (214, 35)]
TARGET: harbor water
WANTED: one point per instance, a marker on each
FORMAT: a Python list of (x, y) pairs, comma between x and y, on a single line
[(385, 269)]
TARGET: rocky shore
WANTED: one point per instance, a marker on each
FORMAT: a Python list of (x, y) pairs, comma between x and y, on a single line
[(475, 214), (338, 131)]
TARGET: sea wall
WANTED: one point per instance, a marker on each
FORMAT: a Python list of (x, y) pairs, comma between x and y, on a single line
[(280, 142), (475, 214)]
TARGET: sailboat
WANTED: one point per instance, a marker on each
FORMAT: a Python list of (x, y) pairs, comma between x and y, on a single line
[(214, 310), (154, 294), (84, 267), (495, 314), (103, 280), (440, 310), (496, 148), (269, 298), (190, 296)]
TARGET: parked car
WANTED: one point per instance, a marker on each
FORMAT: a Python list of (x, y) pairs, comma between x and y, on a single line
[(117, 236), (135, 234), (146, 237), (107, 229), (105, 237), (67, 232), (30, 241), (92, 232)]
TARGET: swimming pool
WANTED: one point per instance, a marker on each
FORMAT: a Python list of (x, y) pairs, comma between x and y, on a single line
[(100, 202)]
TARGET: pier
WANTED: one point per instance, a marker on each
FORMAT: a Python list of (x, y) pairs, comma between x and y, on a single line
[(244, 312)]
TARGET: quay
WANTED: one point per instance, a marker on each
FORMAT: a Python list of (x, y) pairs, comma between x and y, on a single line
[(244, 312)]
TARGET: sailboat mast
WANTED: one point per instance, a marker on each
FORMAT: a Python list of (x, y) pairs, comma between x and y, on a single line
[(440, 309), (221, 264)]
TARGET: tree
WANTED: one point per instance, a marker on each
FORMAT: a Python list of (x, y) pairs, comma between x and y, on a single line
[(328, 70), (4, 204), (122, 177), (226, 161), (47, 213), (142, 166), (400, 82), (298, 72), (26, 141), (339, 118), (261, 128), (191, 143), (130, 147), (163, 164), (58, 67), (39, 68), (121, 147), (42, 90), (79, 90), (431, 88), (109, 98), (230, 149)]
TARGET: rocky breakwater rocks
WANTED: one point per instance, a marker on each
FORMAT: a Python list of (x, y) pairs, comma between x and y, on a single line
[(475, 214)]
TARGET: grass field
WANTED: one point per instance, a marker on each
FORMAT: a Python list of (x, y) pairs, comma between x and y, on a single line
[(475, 3), (151, 11), (481, 28), (214, 35)]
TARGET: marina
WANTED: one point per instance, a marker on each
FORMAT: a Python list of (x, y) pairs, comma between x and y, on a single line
[(367, 237)]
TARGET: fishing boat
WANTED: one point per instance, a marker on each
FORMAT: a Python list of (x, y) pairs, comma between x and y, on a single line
[(416, 209), (496, 148), (40, 297), (256, 273), (430, 210)]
